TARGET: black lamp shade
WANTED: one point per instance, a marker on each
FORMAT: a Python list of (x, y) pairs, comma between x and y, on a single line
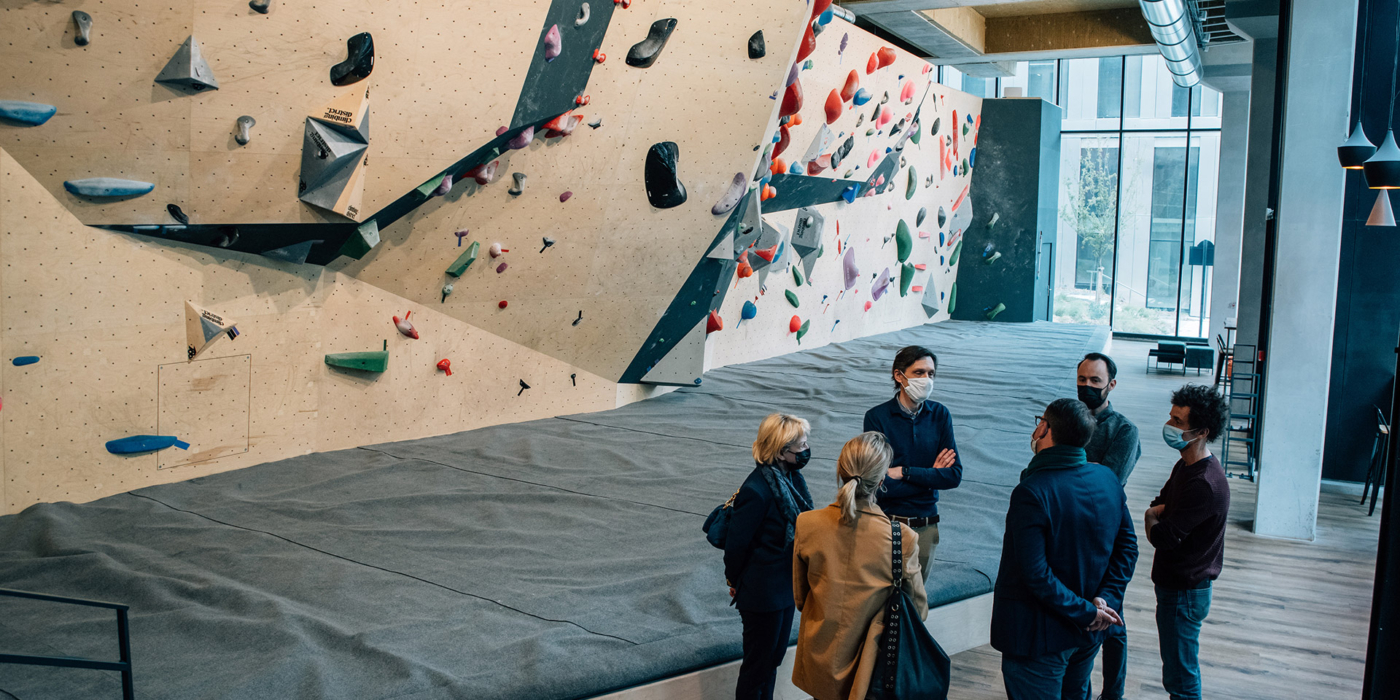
[(1383, 168), (1356, 150)]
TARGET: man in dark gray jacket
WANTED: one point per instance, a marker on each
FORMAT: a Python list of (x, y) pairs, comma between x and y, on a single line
[(1115, 445)]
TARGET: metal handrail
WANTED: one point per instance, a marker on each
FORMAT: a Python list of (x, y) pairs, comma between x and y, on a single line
[(123, 641)]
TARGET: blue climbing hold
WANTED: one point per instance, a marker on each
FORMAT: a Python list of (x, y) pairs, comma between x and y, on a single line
[(940, 238), (766, 179), (749, 311), (972, 158), (107, 187), (825, 17), (30, 113), (795, 168), (849, 194), (969, 118), (137, 444), (25, 360), (862, 96), (888, 149)]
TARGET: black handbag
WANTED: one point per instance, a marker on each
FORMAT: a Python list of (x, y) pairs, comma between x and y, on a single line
[(909, 664)]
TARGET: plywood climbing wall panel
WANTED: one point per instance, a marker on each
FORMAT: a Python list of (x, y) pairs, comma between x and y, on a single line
[(207, 404)]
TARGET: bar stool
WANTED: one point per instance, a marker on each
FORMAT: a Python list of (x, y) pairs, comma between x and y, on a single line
[(1376, 472)]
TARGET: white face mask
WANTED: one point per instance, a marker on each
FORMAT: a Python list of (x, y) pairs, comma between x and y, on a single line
[(918, 389)]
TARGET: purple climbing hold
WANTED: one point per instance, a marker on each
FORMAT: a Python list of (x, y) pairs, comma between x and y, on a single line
[(443, 187), (849, 269), (731, 197), (501, 268), (565, 197), (553, 43), (881, 284), (522, 139)]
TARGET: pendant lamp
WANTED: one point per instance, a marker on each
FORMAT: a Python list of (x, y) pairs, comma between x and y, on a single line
[(1356, 150), (1381, 214), (1383, 168)]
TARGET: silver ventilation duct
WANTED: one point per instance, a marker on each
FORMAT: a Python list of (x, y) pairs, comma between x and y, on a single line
[(1176, 38), (843, 13)]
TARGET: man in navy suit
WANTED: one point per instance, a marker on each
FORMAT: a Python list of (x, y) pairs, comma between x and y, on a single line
[(1068, 553)]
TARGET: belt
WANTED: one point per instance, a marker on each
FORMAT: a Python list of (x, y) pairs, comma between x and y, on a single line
[(916, 522)]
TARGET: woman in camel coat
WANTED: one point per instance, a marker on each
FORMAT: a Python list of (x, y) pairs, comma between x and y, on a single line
[(842, 575)]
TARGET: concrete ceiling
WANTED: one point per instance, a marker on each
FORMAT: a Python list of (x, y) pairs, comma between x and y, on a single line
[(1001, 8)]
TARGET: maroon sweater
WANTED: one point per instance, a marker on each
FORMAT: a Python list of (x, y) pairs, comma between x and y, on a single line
[(1190, 537)]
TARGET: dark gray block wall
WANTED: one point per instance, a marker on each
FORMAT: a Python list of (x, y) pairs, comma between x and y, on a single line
[(1016, 181)]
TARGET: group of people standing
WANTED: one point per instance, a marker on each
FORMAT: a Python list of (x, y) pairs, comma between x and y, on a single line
[(1069, 550)]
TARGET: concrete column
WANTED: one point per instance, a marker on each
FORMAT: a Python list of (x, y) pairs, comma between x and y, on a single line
[(1229, 210), (1256, 189), (1307, 257)]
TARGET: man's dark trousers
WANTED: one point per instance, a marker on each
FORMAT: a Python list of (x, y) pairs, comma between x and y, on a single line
[(765, 643), (1064, 675), (1115, 662)]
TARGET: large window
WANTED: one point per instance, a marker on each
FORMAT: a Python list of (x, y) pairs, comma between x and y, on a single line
[(1138, 164)]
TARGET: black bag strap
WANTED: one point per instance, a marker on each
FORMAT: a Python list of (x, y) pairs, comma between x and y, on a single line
[(890, 643)]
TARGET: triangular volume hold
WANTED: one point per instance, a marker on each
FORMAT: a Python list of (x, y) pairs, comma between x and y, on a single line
[(724, 250), (349, 112), (203, 327), (332, 170), (684, 364), (187, 68), (930, 300)]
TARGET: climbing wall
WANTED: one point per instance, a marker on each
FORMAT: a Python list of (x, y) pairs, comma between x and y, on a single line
[(926, 191), (105, 315)]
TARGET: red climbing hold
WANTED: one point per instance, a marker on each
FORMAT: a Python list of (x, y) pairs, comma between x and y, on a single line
[(767, 253), (582, 100), (599, 56), (713, 323), (502, 304), (809, 43), (852, 84), (868, 305), (815, 167), (833, 106), (872, 64), (483, 173), (446, 366), (886, 56), (794, 325), (405, 326), (792, 99), (819, 6), (920, 266), (784, 140)]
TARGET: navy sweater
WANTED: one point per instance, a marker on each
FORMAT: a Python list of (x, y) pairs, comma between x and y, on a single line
[(916, 444)]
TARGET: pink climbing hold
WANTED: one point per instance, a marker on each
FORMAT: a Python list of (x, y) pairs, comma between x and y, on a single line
[(443, 187), (405, 326), (522, 139), (495, 250), (484, 173), (501, 268), (502, 130), (553, 43), (565, 197), (868, 305), (920, 266), (880, 180), (885, 117), (906, 93), (446, 366), (873, 159), (461, 234), (503, 304)]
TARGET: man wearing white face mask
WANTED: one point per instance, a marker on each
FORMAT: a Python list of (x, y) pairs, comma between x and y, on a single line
[(1186, 525), (920, 432)]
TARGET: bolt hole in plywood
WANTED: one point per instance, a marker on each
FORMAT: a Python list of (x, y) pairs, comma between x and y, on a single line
[(205, 403)]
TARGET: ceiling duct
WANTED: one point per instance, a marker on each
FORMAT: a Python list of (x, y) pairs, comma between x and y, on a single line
[(1173, 30), (843, 13)]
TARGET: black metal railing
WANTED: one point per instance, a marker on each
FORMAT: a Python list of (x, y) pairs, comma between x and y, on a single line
[(123, 642)]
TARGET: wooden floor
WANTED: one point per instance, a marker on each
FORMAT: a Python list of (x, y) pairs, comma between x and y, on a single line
[(1288, 619)]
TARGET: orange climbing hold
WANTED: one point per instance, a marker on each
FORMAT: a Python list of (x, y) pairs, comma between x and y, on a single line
[(599, 56), (794, 325), (582, 100), (886, 55), (872, 64), (778, 167), (833, 106), (852, 84), (446, 366), (713, 323), (792, 99), (796, 120), (745, 269)]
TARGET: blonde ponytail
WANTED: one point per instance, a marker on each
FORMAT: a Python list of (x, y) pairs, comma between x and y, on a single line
[(861, 468)]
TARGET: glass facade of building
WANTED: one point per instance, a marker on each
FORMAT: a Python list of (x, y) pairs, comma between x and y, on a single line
[(1139, 158)]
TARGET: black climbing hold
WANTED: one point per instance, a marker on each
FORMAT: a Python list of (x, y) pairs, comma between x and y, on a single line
[(260, 6), (83, 21), (842, 151), (644, 53), (245, 127), (358, 63), (547, 243), (580, 318), (664, 187), (919, 220), (942, 217), (574, 379), (180, 216), (933, 131), (523, 387), (756, 47)]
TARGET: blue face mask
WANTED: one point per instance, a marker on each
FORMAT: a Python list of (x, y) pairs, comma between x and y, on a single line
[(1175, 437)]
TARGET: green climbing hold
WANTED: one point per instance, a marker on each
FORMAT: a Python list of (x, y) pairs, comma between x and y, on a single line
[(374, 361), (913, 185), (992, 312), (426, 189), (952, 298), (965, 128), (803, 330), (964, 165), (464, 260), (797, 275), (792, 298), (870, 132), (914, 135), (904, 243), (362, 241), (957, 250), (906, 278)]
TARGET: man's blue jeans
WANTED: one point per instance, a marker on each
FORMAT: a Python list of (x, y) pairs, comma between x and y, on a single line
[(1179, 618), (1063, 675), (1115, 662)]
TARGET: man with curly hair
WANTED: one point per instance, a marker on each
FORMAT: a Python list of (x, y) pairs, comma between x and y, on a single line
[(1186, 525)]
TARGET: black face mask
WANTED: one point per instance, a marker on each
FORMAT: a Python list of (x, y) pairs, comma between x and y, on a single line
[(802, 458), (1091, 396)]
